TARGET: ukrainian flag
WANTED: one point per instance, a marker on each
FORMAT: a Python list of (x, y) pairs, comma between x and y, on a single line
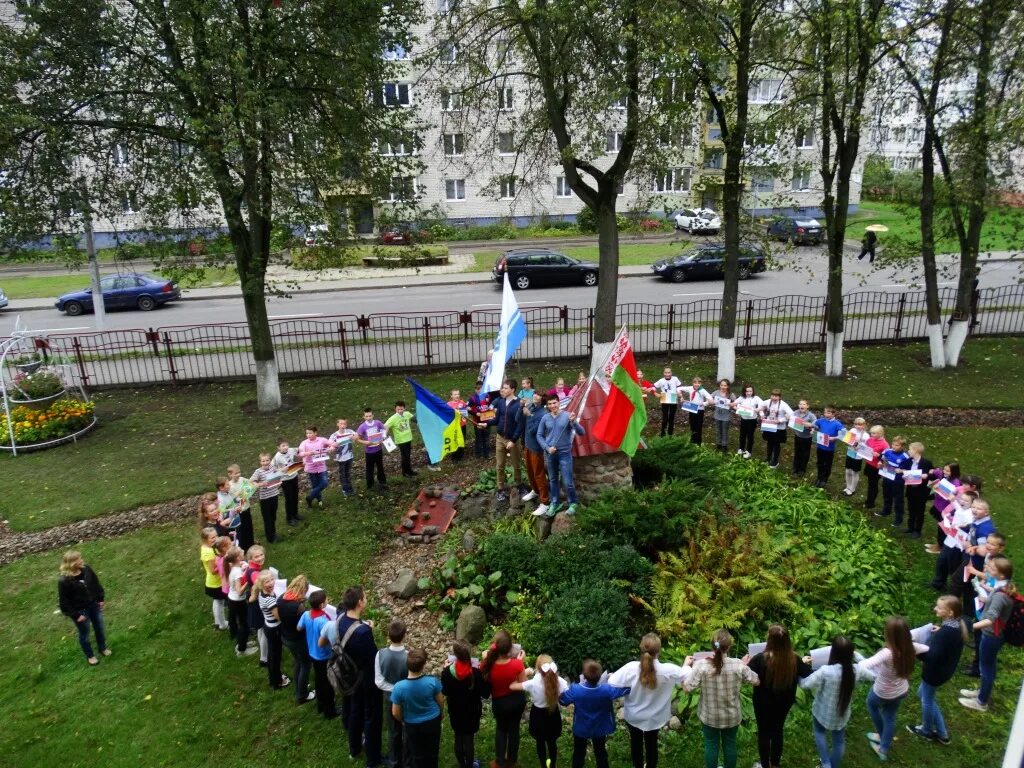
[(440, 424)]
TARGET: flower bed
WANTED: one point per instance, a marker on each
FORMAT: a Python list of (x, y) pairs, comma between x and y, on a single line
[(63, 418), (37, 385)]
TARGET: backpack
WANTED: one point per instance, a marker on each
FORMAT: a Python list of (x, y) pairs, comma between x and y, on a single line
[(1012, 630), (343, 673)]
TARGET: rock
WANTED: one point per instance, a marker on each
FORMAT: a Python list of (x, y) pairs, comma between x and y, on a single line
[(471, 624), (562, 523), (472, 508), (403, 585), (543, 527), (415, 538), (674, 723), (469, 541), (408, 524), (431, 530)]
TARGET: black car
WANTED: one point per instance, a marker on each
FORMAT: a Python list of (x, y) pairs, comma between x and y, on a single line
[(799, 230), (708, 261), (527, 267)]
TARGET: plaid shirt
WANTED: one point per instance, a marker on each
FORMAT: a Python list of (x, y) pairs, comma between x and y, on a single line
[(720, 693), (826, 682)]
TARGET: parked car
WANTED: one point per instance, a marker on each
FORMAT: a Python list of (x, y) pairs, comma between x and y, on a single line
[(698, 220), (708, 261), (528, 267), (399, 235), (799, 230), (3, 298), (128, 291)]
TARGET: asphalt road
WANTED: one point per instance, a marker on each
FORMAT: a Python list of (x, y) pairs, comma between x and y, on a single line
[(801, 272)]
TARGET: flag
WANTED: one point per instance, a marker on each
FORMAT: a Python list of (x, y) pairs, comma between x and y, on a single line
[(623, 417), (511, 333), (440, 424)]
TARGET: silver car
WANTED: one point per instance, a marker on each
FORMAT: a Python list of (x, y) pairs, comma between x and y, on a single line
[(3, 298)]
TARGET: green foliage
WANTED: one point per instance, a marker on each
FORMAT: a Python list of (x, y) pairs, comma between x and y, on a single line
[(461, 581), (619, 564), (332, 256), (511, 553), (487, 480), (667, 457)]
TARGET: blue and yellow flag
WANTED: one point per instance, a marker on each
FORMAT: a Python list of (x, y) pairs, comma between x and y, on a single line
[(440, 424)]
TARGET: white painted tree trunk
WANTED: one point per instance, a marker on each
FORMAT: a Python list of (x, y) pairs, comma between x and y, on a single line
[(833, 353), (955, 341), (935, 344), (268, 386), (600, 354), (726, 359)]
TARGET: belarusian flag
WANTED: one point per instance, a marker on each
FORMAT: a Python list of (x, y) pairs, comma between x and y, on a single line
[(624, 415)]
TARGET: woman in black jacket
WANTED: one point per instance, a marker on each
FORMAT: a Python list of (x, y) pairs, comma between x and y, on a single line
[(464, 688), (938, 664), (81, 600), (779, 669)]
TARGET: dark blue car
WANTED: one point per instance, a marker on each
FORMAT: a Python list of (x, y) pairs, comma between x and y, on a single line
[(129, 291)]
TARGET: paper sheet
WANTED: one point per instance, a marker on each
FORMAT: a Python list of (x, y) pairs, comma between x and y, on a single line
[(821, 439), (389, 444), (921, 634), (670, 398), (703, 655), (769, 426), (886, 474), (691, 406), (819, 656), (755, 648)]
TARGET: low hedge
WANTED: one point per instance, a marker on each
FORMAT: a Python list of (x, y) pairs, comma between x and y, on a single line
[(335, 257)]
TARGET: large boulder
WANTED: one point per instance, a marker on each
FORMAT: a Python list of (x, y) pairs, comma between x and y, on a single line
[(563, 523), (403, 585), (471, 624)]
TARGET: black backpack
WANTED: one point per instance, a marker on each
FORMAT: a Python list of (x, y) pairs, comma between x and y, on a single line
[(343, 673), (1012, 631)]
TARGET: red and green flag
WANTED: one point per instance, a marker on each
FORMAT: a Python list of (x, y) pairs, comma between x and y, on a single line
[(622, 420)]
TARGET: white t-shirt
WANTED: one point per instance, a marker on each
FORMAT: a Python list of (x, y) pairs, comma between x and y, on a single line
[(535, 687), (649, 708), (962, 517), (750, 403), (668, 385), (233, 577)]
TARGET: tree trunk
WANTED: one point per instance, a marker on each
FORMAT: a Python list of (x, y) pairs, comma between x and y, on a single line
[(834, 321), (931, 278), (268, 388), (608, 280), (731, 192)]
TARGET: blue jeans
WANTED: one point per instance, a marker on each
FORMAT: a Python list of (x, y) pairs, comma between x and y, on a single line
[(883, 715), (931, 717), (560, 471), (94, 616), (987, 652), (829, 757), (345, 475), (317, 484)]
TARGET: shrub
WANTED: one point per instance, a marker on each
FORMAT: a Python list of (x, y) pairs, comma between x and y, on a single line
[(326, 257), (650, 225), (514, 554), (621, 565), (33, 386), (443, 231), (668, 457), (586, 220)]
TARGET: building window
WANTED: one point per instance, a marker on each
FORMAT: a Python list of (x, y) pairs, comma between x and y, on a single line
[(805, 138), (562, 188), (899, 135), (445, 6), (396, 52), (801, 179), (508, 187), (120, 154), (454, 144), (619, 103), (454, 190), (449, 52), (397, 95), (613, 142), (504, 99), (402, 188), (762, 184), (712, 116), (672, 180), (401, 146), (451, 102), (765, 90), (506, 143), (129, 202), (714, 161), (714, 133), (676, 138)]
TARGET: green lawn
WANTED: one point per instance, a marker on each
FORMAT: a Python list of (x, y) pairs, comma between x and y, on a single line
[(1003, 230), (47, 286)]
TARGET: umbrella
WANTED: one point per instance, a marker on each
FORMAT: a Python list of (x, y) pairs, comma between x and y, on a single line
[(876, 228)]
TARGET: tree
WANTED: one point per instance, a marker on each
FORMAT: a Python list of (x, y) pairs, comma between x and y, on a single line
[(734, 42), (839, 61), (590, 80), (201, 114)]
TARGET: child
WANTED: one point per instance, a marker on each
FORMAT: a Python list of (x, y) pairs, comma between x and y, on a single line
[(313, 452), (892, 486), (594, 717), (455, 401), (416, 704), (648, 705), (371, 434), (833, 686), (719, 679), (212, 583), (829, 427), (243, 491), (509, 424), (855, 463), (878, 444), (255, 557), (802, 438), (209, 514), (560, 390), (774, 411), (536, 471), (389, 666), (955, 522), (228, 508), (237, 594), (998, 609), (914, 471), (950, 472), (723, 399), (544, 687), (221, 547), (938, 663), (779, 670), (501, 667), (480, 404), (747, 406), (580, 385), (267, 601), (312, 623), (283, 459), (667, 388), (525, 393), (699, 397), (399, 428), (646, 387), (464, 688), (893, 666), (290, 607), (342, 439), (268, 481)]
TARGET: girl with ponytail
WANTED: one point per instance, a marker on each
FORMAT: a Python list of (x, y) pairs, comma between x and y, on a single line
[(719, 679), (778, 669), (544, 687), (648, 705)]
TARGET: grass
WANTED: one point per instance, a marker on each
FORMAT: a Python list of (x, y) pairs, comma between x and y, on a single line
[(43, 287), (1003, 230)]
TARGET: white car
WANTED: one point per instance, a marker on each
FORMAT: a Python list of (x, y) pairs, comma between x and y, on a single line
[(3, 298), (698, 220)]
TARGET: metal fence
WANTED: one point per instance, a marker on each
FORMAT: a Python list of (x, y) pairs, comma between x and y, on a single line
[(424, 341)]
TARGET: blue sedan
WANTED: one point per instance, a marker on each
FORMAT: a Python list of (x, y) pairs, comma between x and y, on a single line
[(130, 291)]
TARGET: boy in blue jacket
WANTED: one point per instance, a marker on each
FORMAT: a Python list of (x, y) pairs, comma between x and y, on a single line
[(829, 426), (594, 718), (510, 423)]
